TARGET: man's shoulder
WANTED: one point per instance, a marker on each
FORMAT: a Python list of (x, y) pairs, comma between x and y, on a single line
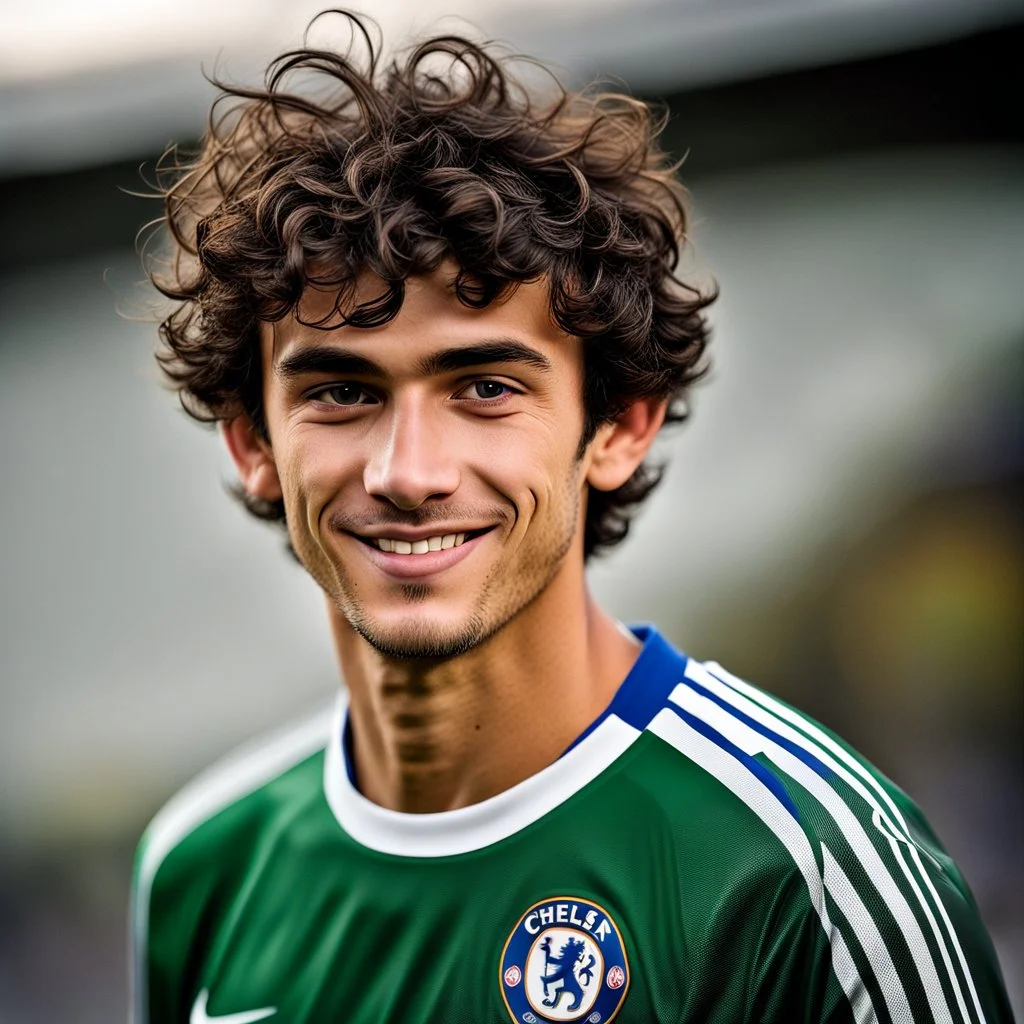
[(886, 893), (235, 798), (798, 784), (200, 848), (829, 814), (734, 729)]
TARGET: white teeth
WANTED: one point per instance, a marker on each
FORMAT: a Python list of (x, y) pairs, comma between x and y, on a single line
[(420, 547)]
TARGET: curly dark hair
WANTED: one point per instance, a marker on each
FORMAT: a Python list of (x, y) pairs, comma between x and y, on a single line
[(340, 165)]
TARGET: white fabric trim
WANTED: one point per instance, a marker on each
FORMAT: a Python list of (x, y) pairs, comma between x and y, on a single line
[(470, 828), (847, 899), (771, 712), (735, 776), (230, 779)]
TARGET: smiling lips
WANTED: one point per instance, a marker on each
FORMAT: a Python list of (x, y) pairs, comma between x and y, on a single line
[(420, 547), (406, 559)]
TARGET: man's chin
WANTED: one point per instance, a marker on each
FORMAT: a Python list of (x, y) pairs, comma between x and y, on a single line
[(419, 640)]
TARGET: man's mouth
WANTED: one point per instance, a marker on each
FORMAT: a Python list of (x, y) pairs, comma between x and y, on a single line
[(423, 545)]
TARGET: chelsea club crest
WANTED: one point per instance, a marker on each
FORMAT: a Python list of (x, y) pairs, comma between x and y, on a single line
[(564, 961)]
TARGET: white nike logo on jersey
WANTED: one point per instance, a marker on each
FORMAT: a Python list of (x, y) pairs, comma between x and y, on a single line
[(200, 1016)]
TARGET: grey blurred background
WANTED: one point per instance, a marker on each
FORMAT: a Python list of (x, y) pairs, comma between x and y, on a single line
[(841, 521)]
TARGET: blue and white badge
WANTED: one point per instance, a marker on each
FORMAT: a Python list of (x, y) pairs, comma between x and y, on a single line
[(564, 961)]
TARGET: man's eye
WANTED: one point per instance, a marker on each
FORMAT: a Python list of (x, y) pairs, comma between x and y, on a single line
[(345, 394), (488, 389)]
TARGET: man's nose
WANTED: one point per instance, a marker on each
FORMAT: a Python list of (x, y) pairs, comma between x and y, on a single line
[(410, 462)]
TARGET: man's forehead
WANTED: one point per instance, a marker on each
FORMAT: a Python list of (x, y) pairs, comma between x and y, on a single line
[(431, 314)]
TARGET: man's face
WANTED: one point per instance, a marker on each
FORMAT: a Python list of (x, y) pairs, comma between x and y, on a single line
[(429, 467)]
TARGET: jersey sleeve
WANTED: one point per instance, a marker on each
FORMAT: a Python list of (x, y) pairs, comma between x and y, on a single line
[(188, 870), (186, 874), (169, 902), (852, 958), (882, 905), (970, 984), (191, 860), (916, 948), (798, 970)]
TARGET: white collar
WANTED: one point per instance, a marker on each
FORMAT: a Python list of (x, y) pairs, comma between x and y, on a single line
[(448, 833)]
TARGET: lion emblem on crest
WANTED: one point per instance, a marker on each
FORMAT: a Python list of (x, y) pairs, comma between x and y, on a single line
[(569, 972)]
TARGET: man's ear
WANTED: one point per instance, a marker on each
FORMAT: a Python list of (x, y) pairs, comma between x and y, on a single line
[(257, 471), (620, 446)]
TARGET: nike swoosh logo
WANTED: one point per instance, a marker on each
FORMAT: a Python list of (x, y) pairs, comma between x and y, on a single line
[(200, 1016)]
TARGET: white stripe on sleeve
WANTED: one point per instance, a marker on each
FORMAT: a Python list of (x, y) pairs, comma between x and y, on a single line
[(723, 766)]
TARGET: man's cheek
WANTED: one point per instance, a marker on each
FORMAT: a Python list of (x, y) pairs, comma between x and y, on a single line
[(312, 489)]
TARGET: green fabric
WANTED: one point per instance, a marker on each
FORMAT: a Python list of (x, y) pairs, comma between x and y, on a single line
[(269, 903)]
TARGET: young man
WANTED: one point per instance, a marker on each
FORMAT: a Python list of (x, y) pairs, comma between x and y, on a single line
[(438, 323)]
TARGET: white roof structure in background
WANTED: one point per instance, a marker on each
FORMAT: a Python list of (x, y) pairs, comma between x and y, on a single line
[(88, 83)]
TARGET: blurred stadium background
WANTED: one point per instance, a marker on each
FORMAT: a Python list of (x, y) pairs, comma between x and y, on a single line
[(841, 521)]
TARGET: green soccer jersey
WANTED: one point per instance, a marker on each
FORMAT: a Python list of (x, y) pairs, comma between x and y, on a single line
[(702, 853)]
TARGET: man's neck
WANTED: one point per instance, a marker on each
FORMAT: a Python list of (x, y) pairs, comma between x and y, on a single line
[(436, 736)]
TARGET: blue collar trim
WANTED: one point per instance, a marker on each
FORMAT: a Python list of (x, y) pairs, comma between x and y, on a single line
[(644, 692)]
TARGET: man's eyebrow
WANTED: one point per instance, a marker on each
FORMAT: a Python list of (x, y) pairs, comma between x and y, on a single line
[(501, 350), (327, 359)]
